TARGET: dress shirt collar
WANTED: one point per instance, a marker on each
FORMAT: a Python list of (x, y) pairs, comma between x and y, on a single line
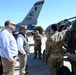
[(8, 30)]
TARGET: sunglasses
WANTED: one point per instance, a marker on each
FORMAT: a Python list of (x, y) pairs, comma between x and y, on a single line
[(13, 24), (25, 29)]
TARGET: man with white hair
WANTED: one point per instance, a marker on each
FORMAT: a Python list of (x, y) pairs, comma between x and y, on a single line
[(23, 48)]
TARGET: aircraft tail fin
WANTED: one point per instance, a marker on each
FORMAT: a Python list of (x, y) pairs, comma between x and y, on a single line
[(33, 14)]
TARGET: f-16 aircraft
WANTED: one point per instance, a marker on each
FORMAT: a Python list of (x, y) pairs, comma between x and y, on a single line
[(1, 27), (62, 25), (31, 18), (70, 48)]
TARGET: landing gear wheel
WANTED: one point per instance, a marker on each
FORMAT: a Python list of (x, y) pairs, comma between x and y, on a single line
[(64, 71)]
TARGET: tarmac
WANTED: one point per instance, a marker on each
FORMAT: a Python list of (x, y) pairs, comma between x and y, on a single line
[(37, 66)]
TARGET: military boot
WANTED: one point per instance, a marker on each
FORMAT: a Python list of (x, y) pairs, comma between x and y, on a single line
[(35, 57)]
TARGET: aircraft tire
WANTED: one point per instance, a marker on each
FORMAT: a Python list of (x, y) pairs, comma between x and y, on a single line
[(64, 71)]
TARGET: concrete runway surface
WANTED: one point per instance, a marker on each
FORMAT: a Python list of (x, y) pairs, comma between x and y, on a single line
[(37, 66)]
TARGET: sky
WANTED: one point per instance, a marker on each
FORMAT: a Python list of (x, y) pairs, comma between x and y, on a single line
[(52, 11)]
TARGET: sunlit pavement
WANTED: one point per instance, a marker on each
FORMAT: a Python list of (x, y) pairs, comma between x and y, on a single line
[(37, 66)]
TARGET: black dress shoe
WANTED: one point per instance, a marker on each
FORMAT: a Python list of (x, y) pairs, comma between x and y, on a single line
[(26, 73), (26, 65), (26, 69), (34, 57), (40, 58)]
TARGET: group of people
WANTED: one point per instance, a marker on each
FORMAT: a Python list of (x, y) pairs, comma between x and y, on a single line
[(10, 48)]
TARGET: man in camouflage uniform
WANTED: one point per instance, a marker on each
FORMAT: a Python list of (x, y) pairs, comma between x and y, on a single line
[(53, 52), (37, 44)]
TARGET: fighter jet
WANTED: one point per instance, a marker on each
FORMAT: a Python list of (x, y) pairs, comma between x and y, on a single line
[(62, 25), (31, 18), (1, 27), (70, 42)]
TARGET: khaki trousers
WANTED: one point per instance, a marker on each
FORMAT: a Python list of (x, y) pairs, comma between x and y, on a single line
[(8, 67), (22, 63)]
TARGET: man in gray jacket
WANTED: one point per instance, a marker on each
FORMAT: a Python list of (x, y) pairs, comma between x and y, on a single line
[(23, 48)]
